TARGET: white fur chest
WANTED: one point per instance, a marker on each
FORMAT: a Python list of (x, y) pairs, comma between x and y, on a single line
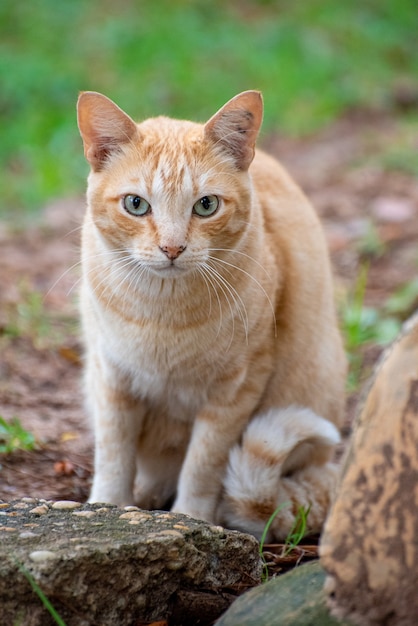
[(166, 367)]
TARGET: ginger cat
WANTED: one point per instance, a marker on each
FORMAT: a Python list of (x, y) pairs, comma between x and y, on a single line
[(215, 370)]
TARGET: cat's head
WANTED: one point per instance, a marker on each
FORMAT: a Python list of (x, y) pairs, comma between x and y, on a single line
[(171, 193)]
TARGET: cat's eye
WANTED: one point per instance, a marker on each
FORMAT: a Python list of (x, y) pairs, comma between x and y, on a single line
[(135, 205), (206, 206)]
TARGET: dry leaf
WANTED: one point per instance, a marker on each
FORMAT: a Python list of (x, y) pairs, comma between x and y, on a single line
[(69, 436), (64, 468), (69, 354)]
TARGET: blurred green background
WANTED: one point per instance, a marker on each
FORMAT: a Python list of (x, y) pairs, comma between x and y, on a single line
[(313, 60)]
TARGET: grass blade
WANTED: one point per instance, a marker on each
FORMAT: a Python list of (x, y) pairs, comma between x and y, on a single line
[(47, 604), (281, 506), (298, 530)]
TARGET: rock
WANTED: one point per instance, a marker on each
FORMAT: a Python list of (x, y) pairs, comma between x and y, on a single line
[(42, 555), (393, 209), (104, 565), (370, 544), (66, 505), (293, 599), (42, 509)]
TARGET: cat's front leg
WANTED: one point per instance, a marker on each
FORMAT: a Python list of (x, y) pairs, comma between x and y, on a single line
[(117, 418), (215, 431)]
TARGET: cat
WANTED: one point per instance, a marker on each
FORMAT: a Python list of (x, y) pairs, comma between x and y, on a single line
[(215, 369)]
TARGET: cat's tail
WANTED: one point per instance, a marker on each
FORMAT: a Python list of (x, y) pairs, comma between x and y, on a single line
[(282, 463)]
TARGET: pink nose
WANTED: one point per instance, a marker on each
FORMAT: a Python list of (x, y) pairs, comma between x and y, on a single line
[(172, 252)]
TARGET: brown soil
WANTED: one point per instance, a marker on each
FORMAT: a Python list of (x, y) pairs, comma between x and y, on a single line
[(359, 202)]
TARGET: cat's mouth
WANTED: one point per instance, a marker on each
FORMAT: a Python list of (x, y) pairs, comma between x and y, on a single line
[(169, 270)]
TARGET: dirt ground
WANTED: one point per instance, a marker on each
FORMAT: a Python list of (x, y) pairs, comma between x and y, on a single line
[(369, 212)]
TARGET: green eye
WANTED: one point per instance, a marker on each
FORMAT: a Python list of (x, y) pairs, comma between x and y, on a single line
[(135, 205), (206, 206)]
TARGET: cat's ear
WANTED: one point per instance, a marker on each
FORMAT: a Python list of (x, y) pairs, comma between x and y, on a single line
[(235, 127), (103, 126)]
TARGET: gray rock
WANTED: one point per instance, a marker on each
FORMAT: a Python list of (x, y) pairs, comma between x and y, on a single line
[(98, 564), (293, 599)]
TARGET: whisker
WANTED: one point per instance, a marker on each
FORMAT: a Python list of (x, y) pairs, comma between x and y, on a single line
[(242, 311), (211, 284), (202, 274), (214, 277), (143, 270), (77, 282), (104, 253), (248, 256), (74, 286), (235, 297), (217, 260), (117, 272), (134, 276), (129, 277), (71, 232), (61, 276)]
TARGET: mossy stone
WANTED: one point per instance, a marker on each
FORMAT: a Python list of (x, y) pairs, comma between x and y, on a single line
[(293, 599)]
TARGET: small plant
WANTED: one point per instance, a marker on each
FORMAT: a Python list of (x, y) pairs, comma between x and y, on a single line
[(363, 325), (370, 245), (14, 437), (29, 317), (47, 604), (404, 301), (265, 574), (294, 537), (298, 530)]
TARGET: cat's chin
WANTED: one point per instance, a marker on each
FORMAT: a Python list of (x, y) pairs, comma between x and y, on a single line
[(169, 271)]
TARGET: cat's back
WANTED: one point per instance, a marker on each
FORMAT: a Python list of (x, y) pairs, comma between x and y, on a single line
[(305, 313)]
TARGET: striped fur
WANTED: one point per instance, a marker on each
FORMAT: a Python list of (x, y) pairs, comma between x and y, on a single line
[(186, 356)]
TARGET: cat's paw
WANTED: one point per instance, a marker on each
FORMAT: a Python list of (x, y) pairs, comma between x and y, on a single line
[(198, 509), (109, 496)]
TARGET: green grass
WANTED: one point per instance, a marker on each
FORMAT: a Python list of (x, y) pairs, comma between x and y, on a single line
[(296, 534), (313, 60), (14, 437), (404, 301), (30, 318), (364, 325), (298, 530), (42, 597)]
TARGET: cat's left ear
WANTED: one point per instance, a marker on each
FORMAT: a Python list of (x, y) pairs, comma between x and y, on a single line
[(235, 127), (103, 126)]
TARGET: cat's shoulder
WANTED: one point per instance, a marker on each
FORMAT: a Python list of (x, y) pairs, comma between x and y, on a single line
[(268, 174), (284, 205)]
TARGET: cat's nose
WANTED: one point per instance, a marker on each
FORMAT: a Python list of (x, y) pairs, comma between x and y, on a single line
[(172, 252)]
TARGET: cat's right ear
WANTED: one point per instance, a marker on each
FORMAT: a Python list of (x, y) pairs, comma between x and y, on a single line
[(103, 126)]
